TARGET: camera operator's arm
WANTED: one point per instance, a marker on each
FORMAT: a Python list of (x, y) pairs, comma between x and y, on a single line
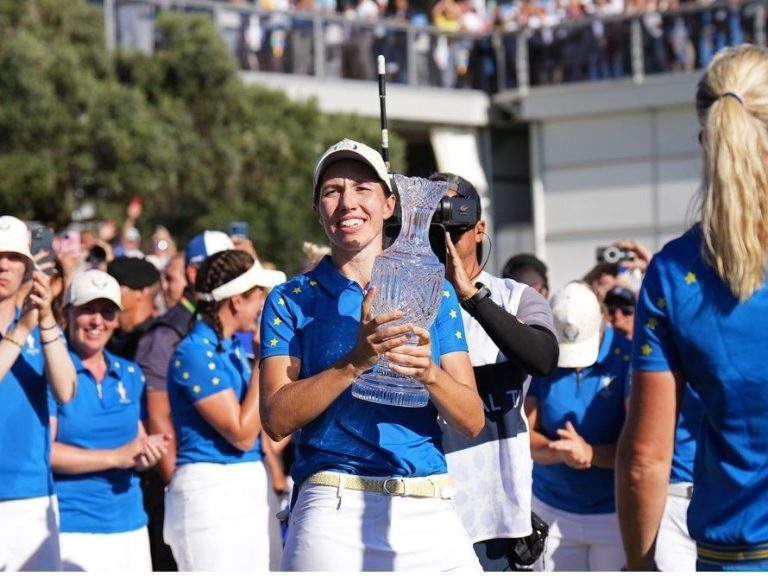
[(533, 347)]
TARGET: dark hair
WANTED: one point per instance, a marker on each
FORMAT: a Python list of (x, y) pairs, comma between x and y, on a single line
[(215, 271), (526, 268)]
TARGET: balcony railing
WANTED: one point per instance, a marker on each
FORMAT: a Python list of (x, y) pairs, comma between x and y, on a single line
[(513, 57)]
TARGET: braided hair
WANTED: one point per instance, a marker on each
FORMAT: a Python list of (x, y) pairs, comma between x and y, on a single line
[(217, 270)]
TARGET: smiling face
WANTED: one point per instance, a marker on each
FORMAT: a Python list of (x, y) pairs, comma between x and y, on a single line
[(12, 268), (352, 206), (91, 326)]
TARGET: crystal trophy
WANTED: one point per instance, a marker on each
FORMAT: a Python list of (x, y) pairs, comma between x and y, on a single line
[(408, 277)]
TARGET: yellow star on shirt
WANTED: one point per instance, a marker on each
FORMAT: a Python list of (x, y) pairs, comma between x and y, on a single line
[(215, 381), (652, 323), (273, 342), (209, 354), (277, 321), (211, 366), (297, 290), (313, 282), (281, 302), (196, 389), (646, 350), (452, 314), (446, 294), (185, 375), (690, 278), (661, 303), (617, 351), (131, 369), (457, 334), (627, 357), (177, 363)]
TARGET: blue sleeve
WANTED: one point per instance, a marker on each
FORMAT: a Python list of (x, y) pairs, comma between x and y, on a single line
[(278, 326), (533, 388), (197, 371), (653, 347), (449, 324)]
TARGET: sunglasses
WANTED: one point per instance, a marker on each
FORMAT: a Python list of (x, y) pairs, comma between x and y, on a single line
[(626, 309)]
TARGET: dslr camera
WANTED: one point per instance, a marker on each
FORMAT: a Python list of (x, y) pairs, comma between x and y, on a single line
[(614, 255)]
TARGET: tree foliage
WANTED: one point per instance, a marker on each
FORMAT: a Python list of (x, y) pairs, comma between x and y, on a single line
[(179, 128)]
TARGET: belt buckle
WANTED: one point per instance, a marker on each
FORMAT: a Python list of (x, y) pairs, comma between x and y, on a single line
[(389, 486)]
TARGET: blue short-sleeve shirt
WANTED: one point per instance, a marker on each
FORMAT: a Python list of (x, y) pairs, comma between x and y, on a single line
[(25, 438), (316, 318), (199, 369), (687, 320), (101, 416), (594, 402)]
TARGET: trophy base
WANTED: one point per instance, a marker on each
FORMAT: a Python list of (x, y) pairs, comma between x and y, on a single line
[(381, 388)]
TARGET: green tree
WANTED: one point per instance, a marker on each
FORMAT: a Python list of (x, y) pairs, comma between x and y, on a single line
[(178, 128)]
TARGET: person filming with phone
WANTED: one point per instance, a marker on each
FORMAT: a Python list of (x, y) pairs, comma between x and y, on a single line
[(511, 335)]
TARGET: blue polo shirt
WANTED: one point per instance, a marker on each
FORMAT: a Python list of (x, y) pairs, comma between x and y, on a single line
[(593, 402), (25, 439), (101, 417), (688, 424), (199, 370), (688, 321), (316, 318)]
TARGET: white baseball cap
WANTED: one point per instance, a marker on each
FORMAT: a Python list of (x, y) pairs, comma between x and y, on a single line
[(92, 285), (350, 150), (578, 321), (14, 236)]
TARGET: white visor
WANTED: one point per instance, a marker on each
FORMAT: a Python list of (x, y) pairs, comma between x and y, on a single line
[(256, 275)]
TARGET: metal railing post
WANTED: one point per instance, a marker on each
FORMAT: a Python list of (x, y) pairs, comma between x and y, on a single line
[(522, 62), (760, 24), (318, 43), (636, 51), (109, 25)]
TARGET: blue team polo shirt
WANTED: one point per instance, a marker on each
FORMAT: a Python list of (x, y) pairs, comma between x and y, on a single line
[(594, 403), (316, 318), (101, 417), (688, 424), (687, 320), (25, 439), (198, 370)]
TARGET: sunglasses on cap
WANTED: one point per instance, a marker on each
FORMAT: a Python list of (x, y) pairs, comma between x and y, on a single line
[(626, 309)]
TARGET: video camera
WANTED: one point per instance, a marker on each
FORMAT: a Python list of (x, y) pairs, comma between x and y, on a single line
[(614, 255), (453, 214)]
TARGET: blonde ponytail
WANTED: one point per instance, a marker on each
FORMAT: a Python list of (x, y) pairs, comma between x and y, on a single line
[(732, 103)]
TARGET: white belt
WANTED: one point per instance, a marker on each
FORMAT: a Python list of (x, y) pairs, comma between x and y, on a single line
[(437, 486), (681, 490)]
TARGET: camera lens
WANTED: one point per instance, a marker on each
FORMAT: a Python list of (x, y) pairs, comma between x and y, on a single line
[(612, 254)]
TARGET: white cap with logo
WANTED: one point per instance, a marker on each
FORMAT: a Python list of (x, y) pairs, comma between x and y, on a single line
[(350, 150), (578, 321), (92, 285), (14, 236)]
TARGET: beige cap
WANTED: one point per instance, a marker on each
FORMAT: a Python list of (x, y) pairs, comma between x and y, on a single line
[(350, 150), (92, 285), (578, 321), (14, 236)]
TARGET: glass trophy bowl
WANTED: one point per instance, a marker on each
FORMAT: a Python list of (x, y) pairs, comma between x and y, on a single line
[(408, 277)]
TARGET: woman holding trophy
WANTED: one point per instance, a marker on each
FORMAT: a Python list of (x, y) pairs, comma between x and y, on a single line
[(372, 490)]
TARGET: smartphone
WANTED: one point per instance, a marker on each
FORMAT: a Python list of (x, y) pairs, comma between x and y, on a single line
[(69, 242), (238, 229), (42, 239)]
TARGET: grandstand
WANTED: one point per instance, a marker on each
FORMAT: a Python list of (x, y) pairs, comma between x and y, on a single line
[(576, 121)]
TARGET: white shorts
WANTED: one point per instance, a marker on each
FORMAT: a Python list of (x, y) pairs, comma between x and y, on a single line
[(338, 529), (579, 542), (116, 552), (675, 549), (29, 535), (216, 517)]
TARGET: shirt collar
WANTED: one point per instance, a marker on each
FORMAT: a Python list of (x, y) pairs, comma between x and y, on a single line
[(605, 344), (113, 363), (330, 278)]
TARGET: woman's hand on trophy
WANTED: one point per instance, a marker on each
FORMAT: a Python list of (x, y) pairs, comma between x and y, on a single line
[(375, 338), (415, 359)]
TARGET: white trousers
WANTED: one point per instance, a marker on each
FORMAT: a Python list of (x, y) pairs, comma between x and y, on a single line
[(117, 552), (579, 542), (341, 530), (29, 535), (216, 517), (675, 549)]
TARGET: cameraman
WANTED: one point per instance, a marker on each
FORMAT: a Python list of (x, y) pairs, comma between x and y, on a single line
[(510, 334)]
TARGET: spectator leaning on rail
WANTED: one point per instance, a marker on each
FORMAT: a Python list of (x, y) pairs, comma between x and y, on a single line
[(31, 354), (318, 335), (699, 320), (99, 441), (510, 334)]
